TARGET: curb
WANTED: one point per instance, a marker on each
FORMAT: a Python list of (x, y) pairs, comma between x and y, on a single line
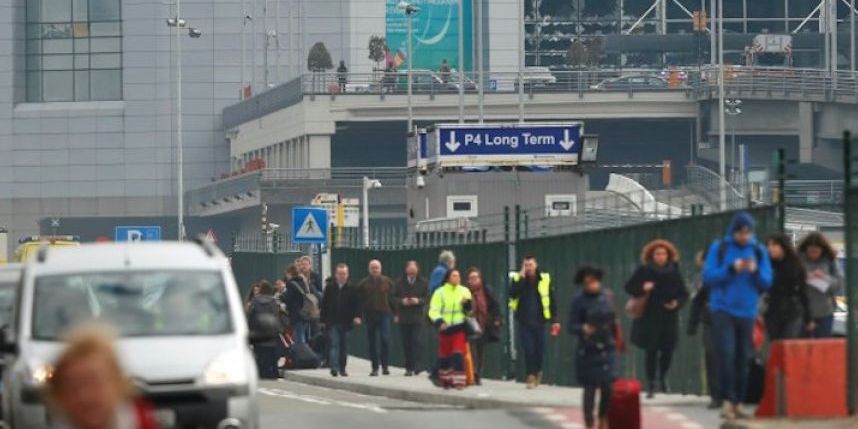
[(407, 395), (774, 423)]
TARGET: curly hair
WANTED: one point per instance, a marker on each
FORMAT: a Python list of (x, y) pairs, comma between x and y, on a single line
[(818, 240), (650, 248)]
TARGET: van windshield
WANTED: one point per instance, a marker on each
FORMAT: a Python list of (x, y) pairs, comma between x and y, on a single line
[(145, 303)]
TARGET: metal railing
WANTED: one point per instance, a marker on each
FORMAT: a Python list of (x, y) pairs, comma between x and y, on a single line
[(708, 183), (345, 173)]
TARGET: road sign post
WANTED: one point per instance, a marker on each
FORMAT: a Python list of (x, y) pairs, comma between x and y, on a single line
[(506, 144), (137, 233), (309, 225)]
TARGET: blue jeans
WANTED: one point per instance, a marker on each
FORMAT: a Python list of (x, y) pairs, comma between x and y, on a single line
[(339, 348), (299, 330), (532, 338), (378, 330), (734, 345), (824, 327)]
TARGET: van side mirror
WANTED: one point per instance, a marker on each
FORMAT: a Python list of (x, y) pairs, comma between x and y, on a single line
[(6, 345)]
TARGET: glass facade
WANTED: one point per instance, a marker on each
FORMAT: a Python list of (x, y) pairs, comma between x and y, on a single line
[(74, 50)]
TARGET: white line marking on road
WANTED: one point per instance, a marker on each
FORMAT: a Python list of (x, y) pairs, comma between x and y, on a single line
[(321, 401), (571, 425), (555, 417), (691, 425), (676, 417)]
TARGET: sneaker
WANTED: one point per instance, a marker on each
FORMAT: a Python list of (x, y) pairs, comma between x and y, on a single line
[(531, 381), (728, 411), (740, 412), (385, 371), (334, 373), (374, 373)]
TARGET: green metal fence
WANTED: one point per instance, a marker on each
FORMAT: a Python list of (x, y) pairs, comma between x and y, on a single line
[(617, 250), (851, 252), (251, 267)]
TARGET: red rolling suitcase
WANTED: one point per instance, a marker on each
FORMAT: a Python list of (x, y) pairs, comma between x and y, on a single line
[(625, 410)]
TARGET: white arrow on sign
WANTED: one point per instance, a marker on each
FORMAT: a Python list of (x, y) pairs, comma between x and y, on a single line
[(452, 144), (566, 144)]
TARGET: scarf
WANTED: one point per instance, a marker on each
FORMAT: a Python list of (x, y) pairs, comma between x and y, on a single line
[(480, 305)]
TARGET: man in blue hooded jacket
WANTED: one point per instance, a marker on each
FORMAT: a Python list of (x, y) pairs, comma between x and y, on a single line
[(737, 271)]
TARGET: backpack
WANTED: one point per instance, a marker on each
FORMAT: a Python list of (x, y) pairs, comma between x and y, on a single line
[(267, 310), (310, 310)]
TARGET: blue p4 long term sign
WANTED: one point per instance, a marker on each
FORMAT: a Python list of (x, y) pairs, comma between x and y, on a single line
[(507, 144)]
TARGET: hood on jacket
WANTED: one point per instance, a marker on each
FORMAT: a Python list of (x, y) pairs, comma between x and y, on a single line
[(742, 220)]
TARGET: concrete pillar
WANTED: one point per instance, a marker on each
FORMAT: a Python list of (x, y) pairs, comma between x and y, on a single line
[(319, 151), (806, 131)]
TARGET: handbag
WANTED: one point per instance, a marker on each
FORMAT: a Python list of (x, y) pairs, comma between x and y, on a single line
[(475, 331), (636, 306)]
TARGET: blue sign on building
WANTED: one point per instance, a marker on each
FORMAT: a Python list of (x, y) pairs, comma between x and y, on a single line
[(309, 225), (137, 233), (508, 144)]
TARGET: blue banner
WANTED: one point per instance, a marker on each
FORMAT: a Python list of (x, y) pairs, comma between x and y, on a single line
[(506, 144), (435, 34)]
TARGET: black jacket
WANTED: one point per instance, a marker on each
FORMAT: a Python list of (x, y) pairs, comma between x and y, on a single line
[(527, 292), (294, 299), (492, 332), (340, 306), (787, 299), (411, 314), (658, 327), (594, 354)]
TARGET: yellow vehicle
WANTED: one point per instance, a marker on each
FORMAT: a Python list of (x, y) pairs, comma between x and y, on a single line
[(28, 246)]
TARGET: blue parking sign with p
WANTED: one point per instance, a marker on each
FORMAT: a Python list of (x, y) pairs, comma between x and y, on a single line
[(137, 233)]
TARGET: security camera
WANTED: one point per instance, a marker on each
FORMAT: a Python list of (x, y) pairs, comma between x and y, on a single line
[(420, 182), (375, 184), (274, 226), (195, 32)]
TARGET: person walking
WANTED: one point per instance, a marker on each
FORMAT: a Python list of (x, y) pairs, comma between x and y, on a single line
[(300, 303), (824, 280), (444, 71), (656, 331), (449, 310), (377, 309), (314, 281), (263, 313), (340, 313), (700, 315), (446, 262), (342, 76), (737, 272), (787, 312), (531, 299), (593, 321), (410, 295), (252, 292), (486, 311)]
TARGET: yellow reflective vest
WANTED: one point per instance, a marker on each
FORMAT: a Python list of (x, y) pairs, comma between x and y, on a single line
[(544, 289), (446, 304)]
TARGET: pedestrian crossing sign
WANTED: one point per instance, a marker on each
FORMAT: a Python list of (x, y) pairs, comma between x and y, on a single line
[(309, 225)]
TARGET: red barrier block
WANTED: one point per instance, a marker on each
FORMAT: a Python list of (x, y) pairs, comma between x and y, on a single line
[(805, 378)]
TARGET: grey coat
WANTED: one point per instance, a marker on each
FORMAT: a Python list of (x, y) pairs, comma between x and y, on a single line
[(822, 304)]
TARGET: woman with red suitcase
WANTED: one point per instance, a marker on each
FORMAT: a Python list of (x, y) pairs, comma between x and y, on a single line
[(593, 321)]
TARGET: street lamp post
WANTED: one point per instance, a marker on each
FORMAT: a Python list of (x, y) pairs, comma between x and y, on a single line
[(461, 21), (179, 23), (721, 137), (733, 110), (410, 10), (367, 184)]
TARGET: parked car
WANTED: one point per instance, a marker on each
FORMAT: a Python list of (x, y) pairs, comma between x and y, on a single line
[(536, 77), (638, 82), (182, 331)]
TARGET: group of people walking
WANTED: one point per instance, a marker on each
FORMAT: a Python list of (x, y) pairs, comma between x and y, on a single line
[(742, 284)]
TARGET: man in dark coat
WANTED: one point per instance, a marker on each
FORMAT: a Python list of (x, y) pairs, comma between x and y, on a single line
[(340, 312), (410, 294), (657, 330), (262, 317), (377, 309)]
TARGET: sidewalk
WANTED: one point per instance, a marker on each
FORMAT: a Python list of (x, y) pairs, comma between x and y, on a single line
[(793, 424), (492, 394)]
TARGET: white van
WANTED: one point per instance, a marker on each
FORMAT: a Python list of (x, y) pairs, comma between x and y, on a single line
[(183, 333)]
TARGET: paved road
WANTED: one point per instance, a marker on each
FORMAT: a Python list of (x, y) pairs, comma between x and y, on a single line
[(288, 404)]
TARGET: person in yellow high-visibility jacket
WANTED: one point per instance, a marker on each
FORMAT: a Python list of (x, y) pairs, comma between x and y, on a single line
[(531, 299), (448, 310)]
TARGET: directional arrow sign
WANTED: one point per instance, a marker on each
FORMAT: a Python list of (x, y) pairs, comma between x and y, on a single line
[(453, 144), (508, 144)]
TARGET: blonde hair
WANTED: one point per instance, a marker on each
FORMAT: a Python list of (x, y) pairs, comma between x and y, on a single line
[(88, 342)]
